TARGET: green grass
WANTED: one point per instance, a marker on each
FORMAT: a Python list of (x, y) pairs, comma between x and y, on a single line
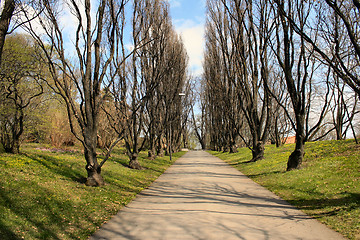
[(327, 186), (43, 195)]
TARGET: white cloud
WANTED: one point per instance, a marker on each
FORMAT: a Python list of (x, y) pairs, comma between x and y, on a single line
[(193, 36)]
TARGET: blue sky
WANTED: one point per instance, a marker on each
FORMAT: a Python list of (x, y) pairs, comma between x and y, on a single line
[(188, 17)]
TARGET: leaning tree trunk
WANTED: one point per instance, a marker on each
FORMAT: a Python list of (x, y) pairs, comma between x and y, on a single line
[(296, 157), (152, 144), (257, 151), (11, 144)]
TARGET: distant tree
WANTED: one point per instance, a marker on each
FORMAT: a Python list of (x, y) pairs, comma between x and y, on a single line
[(146, 89), (21, 82), (199, 122), (281, 125), (241, 32), (156, 68), (55, 128)]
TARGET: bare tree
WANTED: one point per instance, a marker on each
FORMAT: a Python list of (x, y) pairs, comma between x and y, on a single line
[(96, 40), (174, 89), (218, 93), (341, 54), (343, 109), (200, 122), (242, 34), (156, 67), (299, 66), (147, 88), (281, 127)]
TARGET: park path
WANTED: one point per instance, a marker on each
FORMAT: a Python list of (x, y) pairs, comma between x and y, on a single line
[(202, 197)]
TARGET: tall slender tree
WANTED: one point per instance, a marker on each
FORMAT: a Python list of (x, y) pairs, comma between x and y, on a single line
[(299, 66), (243, 44)]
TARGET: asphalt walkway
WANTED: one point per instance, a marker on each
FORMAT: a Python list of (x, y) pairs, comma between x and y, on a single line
[(201, 197)]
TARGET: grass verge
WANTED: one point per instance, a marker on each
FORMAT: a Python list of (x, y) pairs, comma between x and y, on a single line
[(43, 195), (327, 186)]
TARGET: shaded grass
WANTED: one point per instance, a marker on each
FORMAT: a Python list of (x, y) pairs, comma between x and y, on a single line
[(43, 196), (327, 186)]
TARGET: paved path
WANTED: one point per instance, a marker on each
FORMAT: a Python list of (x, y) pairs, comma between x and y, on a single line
[(201, 197)]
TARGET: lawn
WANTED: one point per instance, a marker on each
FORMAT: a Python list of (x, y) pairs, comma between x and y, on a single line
[(327, 186), (43, 195)]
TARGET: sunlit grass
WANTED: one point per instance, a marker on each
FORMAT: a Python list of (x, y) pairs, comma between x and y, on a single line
[(327, 187), (43, 195)]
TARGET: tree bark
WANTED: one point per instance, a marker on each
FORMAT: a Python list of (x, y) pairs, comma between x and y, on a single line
[(134, 163), (93, 169), (6, 14), (233, 147), (11, 140), (151, 153), (13, 147), (257, 151), (296, 157)]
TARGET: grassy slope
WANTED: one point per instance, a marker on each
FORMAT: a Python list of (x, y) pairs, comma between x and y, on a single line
[(327, 187), (43, 196)]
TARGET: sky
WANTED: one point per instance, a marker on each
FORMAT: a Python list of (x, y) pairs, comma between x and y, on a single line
[(188, 18)]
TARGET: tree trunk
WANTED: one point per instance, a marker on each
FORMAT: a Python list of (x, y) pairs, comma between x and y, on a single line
[(93, 169), (159, 147), (94, 178), (233, 148), (160, 152), (12, 149), (16, 146), (134, 163), (152, 147), (11, 145), (257, 151), (296, 157), (278, 140), (203, 144), (11, 140), (5, 17), (152, 153)]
